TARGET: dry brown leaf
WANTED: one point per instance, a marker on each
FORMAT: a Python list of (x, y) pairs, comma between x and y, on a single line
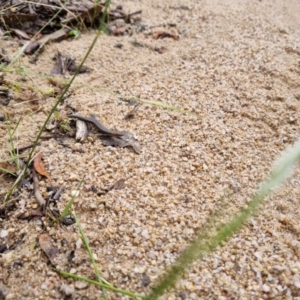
[(30, 214), (7, 166), (39, 166), (56, 36), (22, 34), (88, 16), (46, 244), (17, 20)]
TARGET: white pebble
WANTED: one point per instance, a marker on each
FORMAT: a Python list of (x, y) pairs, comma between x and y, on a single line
[(78, 243), (258, 255), (80, 285), (145, 234), (75, 193), (3, 233), (266, 288), (68, 290), (296, 278)]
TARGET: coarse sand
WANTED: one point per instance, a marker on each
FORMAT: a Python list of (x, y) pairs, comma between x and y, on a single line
[(235, 71)]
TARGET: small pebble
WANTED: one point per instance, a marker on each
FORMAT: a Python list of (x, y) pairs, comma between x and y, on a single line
[(266, 288), (145, 279), (68, 290), (75, 193), (145, 234), (3, 233), (81, 285)]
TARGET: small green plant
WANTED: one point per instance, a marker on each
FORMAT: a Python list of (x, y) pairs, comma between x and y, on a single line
[(14, 156), (101, 281), (74, 33), (67, 209), (205, 244)]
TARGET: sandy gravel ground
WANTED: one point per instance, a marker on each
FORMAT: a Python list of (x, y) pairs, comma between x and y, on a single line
[(236, 69)]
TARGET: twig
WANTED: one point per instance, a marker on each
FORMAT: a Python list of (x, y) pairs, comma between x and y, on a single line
[(19, 150), (58, 193)]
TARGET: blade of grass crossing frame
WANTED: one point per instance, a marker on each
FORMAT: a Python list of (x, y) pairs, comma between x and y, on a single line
[(203, 246), (91, 255), (108, 287), (53, 109), (67, 209)]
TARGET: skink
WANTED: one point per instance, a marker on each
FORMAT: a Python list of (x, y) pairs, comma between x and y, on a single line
[(99, 125)]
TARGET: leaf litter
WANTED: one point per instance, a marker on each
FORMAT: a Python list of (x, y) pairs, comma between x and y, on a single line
[(65, 63), (33, 29), (39, 166)]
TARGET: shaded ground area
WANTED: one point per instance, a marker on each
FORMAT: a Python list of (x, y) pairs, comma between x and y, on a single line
[(235, 69)]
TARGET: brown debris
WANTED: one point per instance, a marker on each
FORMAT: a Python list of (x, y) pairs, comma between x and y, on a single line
[(65, 63), (37, 23), (39, 166), (58, 193), (17, 20), (112, 137), (56, 36), (36, 16), (20, 33), (160, 50), (126, 140), (37, 194), (7, 166), (46, 245), (132, 113), (3, 60), (117, 32), (119, 185), (118, 13), (5, 95), (30, 214), (87, 17), (164, 34)]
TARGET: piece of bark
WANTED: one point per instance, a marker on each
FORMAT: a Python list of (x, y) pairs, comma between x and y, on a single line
[(36, 187), (39, 166), (81, 131), (56, 36), (46, 245), (126, 140)]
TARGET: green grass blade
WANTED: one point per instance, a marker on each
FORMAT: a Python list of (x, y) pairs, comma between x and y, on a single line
[(67, 209), (202, 246), (8, 172), (87, 245), (61, 97), (11, 133), (109, 287)]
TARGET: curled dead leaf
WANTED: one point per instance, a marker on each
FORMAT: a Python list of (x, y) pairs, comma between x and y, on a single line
[(7, 168), (39, 166)]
